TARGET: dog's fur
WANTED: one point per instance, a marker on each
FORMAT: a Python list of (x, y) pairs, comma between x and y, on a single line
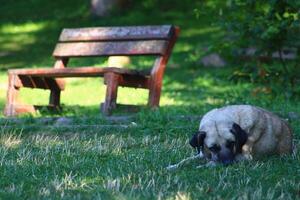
[(241, 132)]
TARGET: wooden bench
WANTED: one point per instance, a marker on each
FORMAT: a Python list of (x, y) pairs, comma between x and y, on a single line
[(156, 41)]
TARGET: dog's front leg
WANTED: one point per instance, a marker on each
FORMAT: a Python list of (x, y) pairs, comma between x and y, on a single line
[(256, 133)]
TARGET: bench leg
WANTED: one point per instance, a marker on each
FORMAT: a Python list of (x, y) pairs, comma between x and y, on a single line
[(111, 80), (54, 100), (154, 93), (11, 97), (13, 107), (156, 81)]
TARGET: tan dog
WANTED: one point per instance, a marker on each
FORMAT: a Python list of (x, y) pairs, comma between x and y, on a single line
[(241, 132)]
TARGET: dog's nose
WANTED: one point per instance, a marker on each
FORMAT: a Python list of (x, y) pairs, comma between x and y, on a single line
[(227, 162), (226, 157)]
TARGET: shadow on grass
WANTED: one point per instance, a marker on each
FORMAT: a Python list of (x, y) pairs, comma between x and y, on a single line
[(29, 33)]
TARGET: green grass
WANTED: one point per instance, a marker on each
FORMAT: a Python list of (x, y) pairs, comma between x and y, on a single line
[(96, 158)]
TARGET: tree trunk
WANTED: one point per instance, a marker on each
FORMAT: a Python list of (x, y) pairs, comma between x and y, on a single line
[(103, 7)]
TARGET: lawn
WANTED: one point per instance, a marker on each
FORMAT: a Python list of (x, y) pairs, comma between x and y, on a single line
[(92, 157)]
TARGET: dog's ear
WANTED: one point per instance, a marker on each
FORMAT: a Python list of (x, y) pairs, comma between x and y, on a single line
[(240, 135), (197, 140)]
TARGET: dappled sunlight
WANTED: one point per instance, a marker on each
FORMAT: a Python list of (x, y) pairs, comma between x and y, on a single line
[(141, 62), (182, 196), (3, 88), (68, 182), (204, 81), (17, 44), (92, 92), (34, 96), (46, 141), (14, 38), (203, 87), (185, 47), (125, 165), (10, 141), (167, 101), (132, 96), (76, 143), (84, 92), (28, 27), (24, 44), (78, 91), (213, 101), (190, 32), (87, 61)]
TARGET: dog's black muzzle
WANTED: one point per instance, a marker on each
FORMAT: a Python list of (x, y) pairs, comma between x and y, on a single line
[(225, 156)]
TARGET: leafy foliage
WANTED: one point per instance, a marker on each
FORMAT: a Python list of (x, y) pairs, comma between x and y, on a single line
[(269, 27)]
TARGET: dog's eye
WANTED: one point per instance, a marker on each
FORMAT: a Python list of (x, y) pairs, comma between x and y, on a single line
[(215, 148), (230, 144)]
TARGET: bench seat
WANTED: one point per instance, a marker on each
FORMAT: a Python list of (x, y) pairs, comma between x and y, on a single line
[(75, 72), (45, 78)]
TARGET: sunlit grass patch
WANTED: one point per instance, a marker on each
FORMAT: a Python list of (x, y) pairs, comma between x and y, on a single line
[(10, 141), (15, 37), (28, 27), (84, 92)]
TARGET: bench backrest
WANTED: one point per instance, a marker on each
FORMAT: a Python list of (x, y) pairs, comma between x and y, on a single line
[(110, 41)]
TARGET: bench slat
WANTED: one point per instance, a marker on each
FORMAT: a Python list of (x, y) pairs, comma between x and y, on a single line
[(73, 72), (117, 33), (45, 78), (85, 49), (38, 82)]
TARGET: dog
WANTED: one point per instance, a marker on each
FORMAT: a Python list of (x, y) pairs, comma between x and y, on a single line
[(241, 132)]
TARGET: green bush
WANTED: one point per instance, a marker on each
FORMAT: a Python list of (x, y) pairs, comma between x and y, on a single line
[(268, 26)]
